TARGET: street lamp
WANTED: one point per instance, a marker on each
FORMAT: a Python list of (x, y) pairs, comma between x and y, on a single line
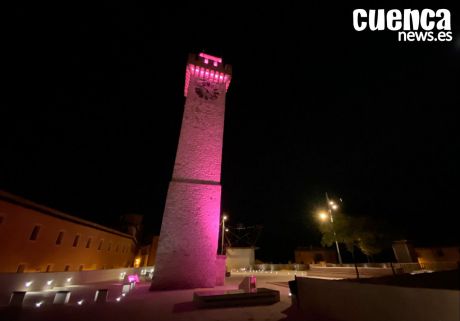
[(331, 206), (224, 218), (323, 216)]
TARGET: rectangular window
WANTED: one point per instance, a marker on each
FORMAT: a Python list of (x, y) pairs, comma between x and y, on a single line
[(67, 268), (110, 247), (34, 234), (81, 267), (75, 240), (48, 268), (59, 238), (88, 243), (117, 248), (100, 245)]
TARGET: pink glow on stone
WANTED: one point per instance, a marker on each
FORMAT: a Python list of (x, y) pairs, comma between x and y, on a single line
[(202, 72), (212, 58), (189, 236), (133, 278), (186, 256), (252, 284)]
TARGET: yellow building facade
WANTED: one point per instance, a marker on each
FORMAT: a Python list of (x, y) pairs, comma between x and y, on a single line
[(35, 238), (438, 258)]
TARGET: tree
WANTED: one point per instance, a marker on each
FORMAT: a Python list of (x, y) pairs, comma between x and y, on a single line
[(362, 232), (373, 237)]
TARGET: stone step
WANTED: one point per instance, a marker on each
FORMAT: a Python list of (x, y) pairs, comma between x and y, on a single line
[(227, 298)]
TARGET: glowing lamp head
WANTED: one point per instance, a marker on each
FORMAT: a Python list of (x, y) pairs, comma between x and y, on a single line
[(334, 207), (323, 216), (29, 283), (225, 217)]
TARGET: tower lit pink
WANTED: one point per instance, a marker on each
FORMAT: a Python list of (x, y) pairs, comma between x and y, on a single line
[(187, 249)]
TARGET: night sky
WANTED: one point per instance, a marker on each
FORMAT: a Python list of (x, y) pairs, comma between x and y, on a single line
[(93, 101)]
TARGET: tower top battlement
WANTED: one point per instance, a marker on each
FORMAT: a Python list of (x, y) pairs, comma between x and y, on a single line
[(207, 67), (215, 60)]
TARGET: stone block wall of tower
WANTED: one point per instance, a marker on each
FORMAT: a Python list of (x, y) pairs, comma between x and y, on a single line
[(187, 249), (199, 153), (188, 240)]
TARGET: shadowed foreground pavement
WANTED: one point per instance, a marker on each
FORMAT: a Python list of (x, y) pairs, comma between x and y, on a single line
[(141, 304)]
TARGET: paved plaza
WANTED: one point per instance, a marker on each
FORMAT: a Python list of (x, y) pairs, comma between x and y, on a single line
[(141, 304)]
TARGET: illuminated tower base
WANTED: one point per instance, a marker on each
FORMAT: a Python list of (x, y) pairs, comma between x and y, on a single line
[(187, 248)]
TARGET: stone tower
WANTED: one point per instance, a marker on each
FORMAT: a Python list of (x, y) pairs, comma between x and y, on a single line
[(187, 249)]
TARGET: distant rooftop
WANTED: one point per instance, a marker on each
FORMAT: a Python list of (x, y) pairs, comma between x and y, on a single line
[(17, 200)]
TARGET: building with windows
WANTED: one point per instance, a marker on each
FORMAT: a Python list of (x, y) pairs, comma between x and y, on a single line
[(147, 253), (438, 257), (240, 257), (35, 238)]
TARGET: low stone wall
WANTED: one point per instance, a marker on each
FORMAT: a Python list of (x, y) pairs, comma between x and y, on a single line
[(403, 267), (351, 301), (40, 281), (272, 267), (440, 266), (350, 272)]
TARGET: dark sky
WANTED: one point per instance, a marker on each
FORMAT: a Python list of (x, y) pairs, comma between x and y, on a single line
[(93, 100)]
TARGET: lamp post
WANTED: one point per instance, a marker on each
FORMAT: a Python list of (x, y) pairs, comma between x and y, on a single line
[(331, 206), (224, 218)]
